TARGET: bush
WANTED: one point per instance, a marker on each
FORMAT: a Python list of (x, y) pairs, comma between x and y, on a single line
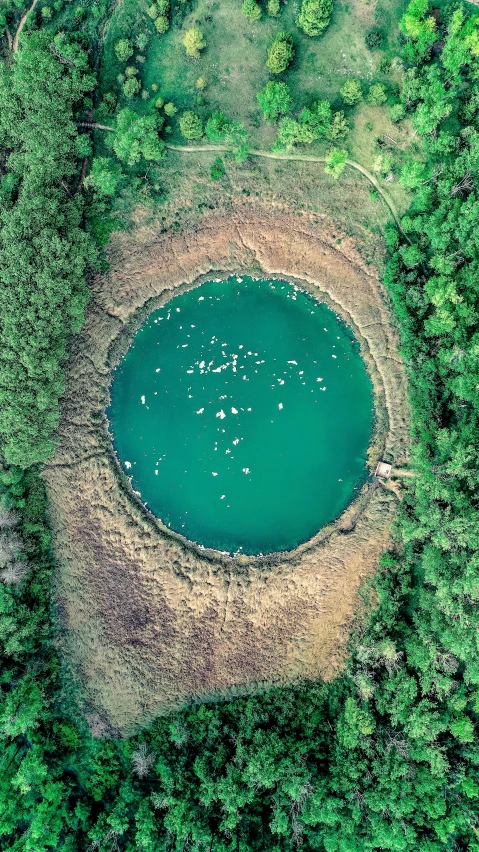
[(397, 113), (194, 42), (274, 100), (191, 126), (374, 39), (170, 109), (315, 16), (162, 24), (218, 126), (251, 10), (377, 95), (217, 170), (131, 87), (351, 92), (280, 53), (336, 162), (123, 50), (274, 8)]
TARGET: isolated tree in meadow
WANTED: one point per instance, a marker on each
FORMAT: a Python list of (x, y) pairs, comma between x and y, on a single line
[(274, 100), (131, 87), (251, 10), (315, 16), (274, 8), (124, 49), (351, 92), (218, 126), (377, 95), (281, 53), (191, 126), (162, 24), (194, 42)]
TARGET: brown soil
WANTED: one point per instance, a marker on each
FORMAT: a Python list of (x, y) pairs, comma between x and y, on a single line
[(152, 622)]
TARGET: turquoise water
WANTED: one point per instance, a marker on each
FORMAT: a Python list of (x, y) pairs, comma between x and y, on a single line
[(243, 412)]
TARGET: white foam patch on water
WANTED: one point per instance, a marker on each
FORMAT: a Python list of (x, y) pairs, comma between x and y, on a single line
[(246, 470), (127, 465), (142, 400), (200, 411), (236, 441), (334, 356), (293, 362), (213, 473), (234, 411), (280, 406), (221, 414)]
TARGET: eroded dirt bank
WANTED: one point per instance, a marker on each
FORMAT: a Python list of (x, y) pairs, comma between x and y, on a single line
[(152, 623)]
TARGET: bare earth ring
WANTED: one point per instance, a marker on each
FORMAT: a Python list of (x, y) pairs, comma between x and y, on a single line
[(153, 622)]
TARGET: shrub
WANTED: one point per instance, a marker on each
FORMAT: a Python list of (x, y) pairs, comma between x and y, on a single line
[(397, 113), (336, 162), (315, 16), (351, 92), (123, 50), (274, 8), (141, 40), (218, 126), (194, 42), (217, 170), (152, 11), (159, 103), (170, 109), (200, 83), (251, 10), (377, 95), (162, 24), (274, 100), (280, 53), (191, 126), (131, 87), (374, 39)]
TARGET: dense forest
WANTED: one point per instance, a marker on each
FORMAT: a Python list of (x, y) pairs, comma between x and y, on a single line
[(387, 755)]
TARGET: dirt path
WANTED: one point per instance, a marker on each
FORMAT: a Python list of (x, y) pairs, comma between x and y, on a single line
[(301, 158), (21, 25), (269, 155)]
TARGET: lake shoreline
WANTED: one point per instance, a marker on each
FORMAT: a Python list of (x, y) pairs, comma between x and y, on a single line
[(111, 555)]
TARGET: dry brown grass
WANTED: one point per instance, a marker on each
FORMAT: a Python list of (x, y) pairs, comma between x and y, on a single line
[(152, 622)]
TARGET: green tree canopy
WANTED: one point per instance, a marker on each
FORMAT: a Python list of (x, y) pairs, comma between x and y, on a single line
[(315, 16), (281, 53), (274, 100)]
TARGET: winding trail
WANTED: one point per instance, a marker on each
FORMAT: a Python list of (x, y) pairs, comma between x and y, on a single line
[(22, 23), (269, 155), (301, 158)]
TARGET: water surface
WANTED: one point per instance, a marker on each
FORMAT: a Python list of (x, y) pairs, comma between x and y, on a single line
[(243, 412)]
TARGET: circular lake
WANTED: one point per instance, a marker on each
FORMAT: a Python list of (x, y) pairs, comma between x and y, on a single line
[(243, 412)]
